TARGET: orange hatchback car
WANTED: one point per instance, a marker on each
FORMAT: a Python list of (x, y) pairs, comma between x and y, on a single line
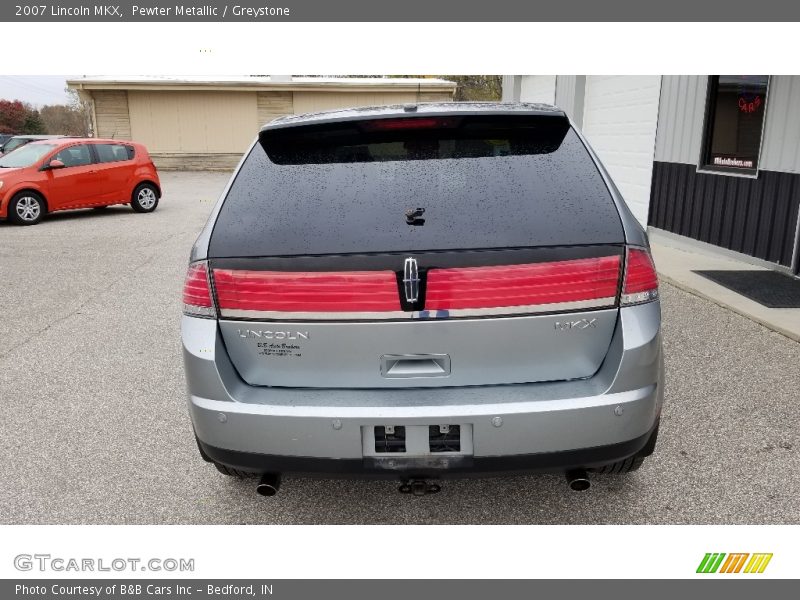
[(62, 174)]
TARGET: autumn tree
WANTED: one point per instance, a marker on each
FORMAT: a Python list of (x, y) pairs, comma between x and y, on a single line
[(486, 88), (12, 116), (64, 120), (33, 123)]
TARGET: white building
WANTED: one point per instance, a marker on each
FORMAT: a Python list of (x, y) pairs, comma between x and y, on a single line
[(713, 158)]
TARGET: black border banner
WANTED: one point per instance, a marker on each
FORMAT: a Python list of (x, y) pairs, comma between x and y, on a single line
[(711, 586), (406, 11)]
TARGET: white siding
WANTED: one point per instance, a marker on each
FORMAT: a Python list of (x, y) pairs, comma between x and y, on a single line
[(620, 118), (538, 88), (780, 149), (680, 118), (511, 85), (570, 91)]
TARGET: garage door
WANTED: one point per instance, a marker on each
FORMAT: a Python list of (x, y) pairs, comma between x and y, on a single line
[(620, 118), (193, 122), (538, 88)]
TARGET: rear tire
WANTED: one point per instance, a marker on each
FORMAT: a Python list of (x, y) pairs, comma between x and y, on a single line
[(231, 472), (26, 208), (144, 198), (623, 466), (634, 462), (203, 454)]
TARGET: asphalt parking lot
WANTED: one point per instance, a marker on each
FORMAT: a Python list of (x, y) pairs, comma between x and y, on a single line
[(94, 425)]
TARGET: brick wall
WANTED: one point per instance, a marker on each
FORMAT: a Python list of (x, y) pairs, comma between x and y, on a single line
[(272, 105), (195, 162)]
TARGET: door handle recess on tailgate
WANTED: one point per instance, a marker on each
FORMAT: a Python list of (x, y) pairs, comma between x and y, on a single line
[(415, 365)]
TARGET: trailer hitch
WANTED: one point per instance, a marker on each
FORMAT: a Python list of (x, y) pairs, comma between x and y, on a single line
[(419, 487)]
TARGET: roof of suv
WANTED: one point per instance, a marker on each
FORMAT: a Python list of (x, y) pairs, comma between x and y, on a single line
[(414, 109)]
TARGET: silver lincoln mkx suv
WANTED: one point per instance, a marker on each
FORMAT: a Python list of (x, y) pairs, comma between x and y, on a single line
[(422, 291)]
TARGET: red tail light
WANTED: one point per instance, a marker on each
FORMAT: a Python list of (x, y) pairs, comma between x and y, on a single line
[(196, 293), (641, 280), (580, 283), (331, 292)]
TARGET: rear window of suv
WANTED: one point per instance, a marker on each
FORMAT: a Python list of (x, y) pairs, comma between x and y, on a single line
[(484, 182)]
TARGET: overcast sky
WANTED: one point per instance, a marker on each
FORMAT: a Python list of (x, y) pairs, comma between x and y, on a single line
[(36, 89)]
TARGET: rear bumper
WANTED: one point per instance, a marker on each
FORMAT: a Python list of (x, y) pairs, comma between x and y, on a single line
[(522, 427), (394, 467), (513, 435)]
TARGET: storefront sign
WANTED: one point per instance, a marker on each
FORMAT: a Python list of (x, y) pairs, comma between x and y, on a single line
[(749, 106), (730, 161)]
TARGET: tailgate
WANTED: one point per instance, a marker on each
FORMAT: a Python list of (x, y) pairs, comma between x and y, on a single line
[(420, 354)]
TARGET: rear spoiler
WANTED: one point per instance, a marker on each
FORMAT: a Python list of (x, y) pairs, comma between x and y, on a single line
[(411, 111), (344, 139)]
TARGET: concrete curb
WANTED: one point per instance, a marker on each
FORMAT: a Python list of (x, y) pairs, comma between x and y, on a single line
[(695, 292)]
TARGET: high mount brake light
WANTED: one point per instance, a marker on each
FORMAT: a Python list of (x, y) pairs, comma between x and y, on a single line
[(408, 123), (641, 280), (585, 282), (197, 293)]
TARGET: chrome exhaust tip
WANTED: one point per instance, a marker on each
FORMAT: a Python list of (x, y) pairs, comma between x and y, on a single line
[(578, 480), (269, 484)]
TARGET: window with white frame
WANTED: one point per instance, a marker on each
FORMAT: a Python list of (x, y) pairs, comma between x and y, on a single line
[(734, 123)]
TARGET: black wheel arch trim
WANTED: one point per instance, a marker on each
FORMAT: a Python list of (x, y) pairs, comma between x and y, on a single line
[(30, 191), (151, 182)]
